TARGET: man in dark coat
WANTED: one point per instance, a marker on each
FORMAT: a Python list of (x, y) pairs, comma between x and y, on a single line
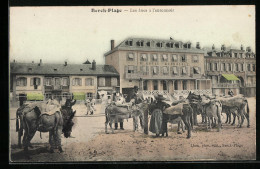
[(157, 109), (230, 92)]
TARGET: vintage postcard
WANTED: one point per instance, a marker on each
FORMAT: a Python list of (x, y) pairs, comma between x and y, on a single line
[(132, 83)]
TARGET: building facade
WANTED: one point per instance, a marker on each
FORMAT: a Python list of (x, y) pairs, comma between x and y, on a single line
[(61, 80), (159, 66), (221, 64)]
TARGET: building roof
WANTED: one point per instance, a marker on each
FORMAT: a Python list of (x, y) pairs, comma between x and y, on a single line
[(61, 69), (135, 47)]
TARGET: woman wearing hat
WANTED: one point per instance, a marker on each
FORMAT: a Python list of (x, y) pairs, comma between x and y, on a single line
[(157, 115)]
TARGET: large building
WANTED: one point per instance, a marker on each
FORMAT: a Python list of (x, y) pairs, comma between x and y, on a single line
[(233, 69), (62, 80), (159, 66)]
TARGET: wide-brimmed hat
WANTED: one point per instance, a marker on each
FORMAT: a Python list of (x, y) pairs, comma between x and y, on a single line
[(159, 97)]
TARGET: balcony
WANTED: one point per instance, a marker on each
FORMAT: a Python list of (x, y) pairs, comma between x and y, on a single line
[(226, 85), (142, 75), (57, 87), (250, 84)]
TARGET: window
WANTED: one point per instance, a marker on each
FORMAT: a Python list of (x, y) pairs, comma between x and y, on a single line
[(159, 44), (183, 58), (148, 44), (154, 57), (145, 85), (89, 95), (175, 84), (253, 67), (35, 81), (177, 45), (129, 42), (195, 59), (174, 70), (21, 81), (76, 82), (89, 82), (236, 67), (196, 70), (130, 57), (164, 83), (248, 67), (215, 66), (55, 70), (184, 72), (241, 55), (130, 69), (144, 70), (48, 82), (169, 45), (155, 85), (65, 81), (143, 57), (164, 57), (224, 66), (165, 70), (140, 43), (184, 85), (242, 67), (113, 81), (57, 81), (155, 70), (101, 81), (30, 69), (235, 55), (174, 58)]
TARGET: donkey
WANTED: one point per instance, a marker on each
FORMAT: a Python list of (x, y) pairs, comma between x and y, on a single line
[(56, 124)]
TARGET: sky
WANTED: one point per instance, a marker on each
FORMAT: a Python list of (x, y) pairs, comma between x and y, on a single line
[(75, 34)]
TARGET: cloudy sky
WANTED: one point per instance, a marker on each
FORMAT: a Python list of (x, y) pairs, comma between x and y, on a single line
[(74, 34)]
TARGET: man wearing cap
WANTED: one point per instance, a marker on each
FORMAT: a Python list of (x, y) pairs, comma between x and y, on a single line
[(157, 115)]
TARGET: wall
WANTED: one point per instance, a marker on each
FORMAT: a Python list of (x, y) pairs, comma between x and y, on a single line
[(83, 87), (28, 88)]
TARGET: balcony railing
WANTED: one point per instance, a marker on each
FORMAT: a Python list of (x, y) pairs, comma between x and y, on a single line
[(57, 87), (250, 84), (169, 75), (226, 85)]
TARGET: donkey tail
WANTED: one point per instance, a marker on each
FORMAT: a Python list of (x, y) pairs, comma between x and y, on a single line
[(247, 107)]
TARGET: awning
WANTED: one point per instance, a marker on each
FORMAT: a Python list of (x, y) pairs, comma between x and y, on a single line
[(230, 76), (164, 57), (35, 96), (79, 96)]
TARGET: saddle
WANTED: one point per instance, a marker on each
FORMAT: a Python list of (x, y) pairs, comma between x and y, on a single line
[(173, 110)]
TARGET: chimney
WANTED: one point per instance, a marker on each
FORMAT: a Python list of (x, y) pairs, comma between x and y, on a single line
[(32, 61), (213, 47), (112, 44), (248, 49), (40, 62), (198, 45), (242, 48), (223, 47), (14, 60), (171, 38), (94, 65), (65, 63)]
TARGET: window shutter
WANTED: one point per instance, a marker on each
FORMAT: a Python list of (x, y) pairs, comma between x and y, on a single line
[(188, 70), (25, 82), (135, 69), (80, 82), (18, 82), (31, 82)]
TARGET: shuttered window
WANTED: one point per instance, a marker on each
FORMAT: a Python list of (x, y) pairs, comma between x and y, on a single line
[(65, 81), (155, 58), (48, 81), (164, 57), (196, 70), (77, 82), (35, 81), (165, 70), (174, 58), (21, 81), (174, 70), (113, 81), (155, 70), (101, 81), (184, 72), (143, 57), (130, 57), (89, 82)]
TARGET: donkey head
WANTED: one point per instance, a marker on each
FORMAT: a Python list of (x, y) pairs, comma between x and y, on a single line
[(67, 122)]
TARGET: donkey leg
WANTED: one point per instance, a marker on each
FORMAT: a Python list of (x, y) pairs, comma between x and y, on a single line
[(247, 117), (234, 119), (57, 138), (106, 127), (179, 125), (51, 141)]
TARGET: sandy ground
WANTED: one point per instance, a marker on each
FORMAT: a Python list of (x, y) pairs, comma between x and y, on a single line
[(90, 143)]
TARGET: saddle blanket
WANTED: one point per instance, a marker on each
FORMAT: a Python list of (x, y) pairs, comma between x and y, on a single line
[(43, 107), (174, 109)]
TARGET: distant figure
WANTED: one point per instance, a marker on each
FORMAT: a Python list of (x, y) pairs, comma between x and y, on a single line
[(230, 92), (89, 107)]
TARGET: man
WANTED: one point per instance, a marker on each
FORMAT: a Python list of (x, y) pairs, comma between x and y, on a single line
[(157, 109)]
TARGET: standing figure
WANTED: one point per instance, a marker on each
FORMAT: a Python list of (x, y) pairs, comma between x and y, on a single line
[(89, 107), (230, 92), (156, 110)]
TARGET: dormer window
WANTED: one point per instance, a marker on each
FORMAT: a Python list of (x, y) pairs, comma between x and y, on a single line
[(30, 69), (148, 44), (140, 43), (177, 45), (235, 55), (159, 44), (129, 42), (183, 58), (169, 45), (55, 70), (81, 70)]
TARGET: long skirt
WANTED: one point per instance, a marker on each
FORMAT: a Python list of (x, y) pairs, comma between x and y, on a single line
[(156, 122)]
